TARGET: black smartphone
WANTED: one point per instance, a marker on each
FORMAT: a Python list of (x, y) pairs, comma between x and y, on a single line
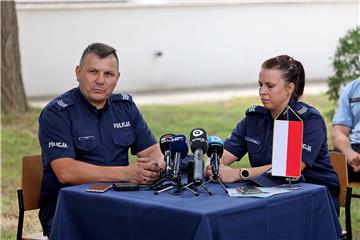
[(248, 189), (125, 186)]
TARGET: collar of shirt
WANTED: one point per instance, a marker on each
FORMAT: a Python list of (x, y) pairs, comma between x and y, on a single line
[(287, 115), (89, 106), (293, 103)]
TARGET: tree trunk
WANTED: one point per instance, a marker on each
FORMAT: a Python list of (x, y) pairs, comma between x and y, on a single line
[(13, 98)]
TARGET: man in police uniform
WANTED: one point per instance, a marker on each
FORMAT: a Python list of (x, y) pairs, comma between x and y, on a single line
[(346, 128), (85, 133)]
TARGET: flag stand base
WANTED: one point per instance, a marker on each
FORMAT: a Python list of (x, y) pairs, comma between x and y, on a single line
[(289, 185)]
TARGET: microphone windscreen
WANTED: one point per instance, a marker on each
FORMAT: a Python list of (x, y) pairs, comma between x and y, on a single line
[(165, 141), (178, 144), (198, 139), (215, 144)]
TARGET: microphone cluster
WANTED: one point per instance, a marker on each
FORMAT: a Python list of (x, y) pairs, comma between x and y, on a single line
[(175, 147)]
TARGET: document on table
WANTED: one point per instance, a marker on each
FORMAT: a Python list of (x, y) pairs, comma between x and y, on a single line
[(265, 192)]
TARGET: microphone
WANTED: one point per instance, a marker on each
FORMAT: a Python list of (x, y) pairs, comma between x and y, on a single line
[(165, 141), (178, 149), (215, 151), (199, 145)]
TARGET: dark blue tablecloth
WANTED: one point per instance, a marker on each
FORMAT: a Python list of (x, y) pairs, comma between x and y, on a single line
[(307, 213)]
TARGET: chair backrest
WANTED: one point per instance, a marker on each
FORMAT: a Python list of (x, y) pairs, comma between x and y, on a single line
[(339, 163), (32, 172)]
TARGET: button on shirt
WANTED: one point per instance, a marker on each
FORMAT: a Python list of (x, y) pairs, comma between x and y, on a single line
[(348, 110), (254, 135), (71, 127)]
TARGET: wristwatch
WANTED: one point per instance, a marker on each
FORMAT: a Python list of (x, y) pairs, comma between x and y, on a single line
[(244, 174)]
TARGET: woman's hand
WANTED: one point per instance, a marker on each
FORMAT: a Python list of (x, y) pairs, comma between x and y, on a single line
[(226, 173)]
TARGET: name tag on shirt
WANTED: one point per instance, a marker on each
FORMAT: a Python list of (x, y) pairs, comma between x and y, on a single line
[(357, 99), (86, 138)]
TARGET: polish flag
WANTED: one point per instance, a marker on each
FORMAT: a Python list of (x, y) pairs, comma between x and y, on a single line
[(287, 148)]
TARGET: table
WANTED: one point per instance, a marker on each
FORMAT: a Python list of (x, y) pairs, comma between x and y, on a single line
[(307, 213)]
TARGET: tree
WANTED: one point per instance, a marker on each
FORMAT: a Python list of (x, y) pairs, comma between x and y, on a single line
[(13, 98), (346, 62)]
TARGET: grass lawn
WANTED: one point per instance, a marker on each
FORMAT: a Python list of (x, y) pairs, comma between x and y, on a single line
[(19, 138)]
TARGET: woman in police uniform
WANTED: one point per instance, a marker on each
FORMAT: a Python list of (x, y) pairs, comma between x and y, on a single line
[(281, 83)]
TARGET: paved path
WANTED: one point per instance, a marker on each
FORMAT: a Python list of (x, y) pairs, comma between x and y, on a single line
[(213, 95)]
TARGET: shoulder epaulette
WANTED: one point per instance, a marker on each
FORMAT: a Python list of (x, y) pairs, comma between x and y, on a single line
[(122, 96), (304, 110), (62, 103), (255, 109)]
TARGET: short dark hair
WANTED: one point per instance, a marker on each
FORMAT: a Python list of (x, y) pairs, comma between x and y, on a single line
[(292, 71), (99, 49)]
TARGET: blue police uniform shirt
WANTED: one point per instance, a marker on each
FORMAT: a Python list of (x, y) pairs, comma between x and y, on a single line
[(348, 110), (69, 126), (254, 135)]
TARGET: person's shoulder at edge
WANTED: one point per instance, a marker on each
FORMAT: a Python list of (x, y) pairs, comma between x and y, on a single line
[(353, 83), (352, 87)]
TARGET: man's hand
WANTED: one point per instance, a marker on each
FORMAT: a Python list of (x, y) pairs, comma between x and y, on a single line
[(353, 159), (341, 142), (145, 171)]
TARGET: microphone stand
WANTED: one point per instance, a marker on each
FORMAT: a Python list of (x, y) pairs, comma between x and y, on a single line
[(198, 187), (165, 174), (177, 186), (215, 170), (216, 179), (197, 182), (162, 179), (174, 179)]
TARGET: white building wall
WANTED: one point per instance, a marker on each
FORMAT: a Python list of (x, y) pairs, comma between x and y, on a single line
[(203, 45)]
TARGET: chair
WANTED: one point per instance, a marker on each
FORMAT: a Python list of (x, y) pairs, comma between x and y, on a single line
[(29, 194), (339, 163)]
